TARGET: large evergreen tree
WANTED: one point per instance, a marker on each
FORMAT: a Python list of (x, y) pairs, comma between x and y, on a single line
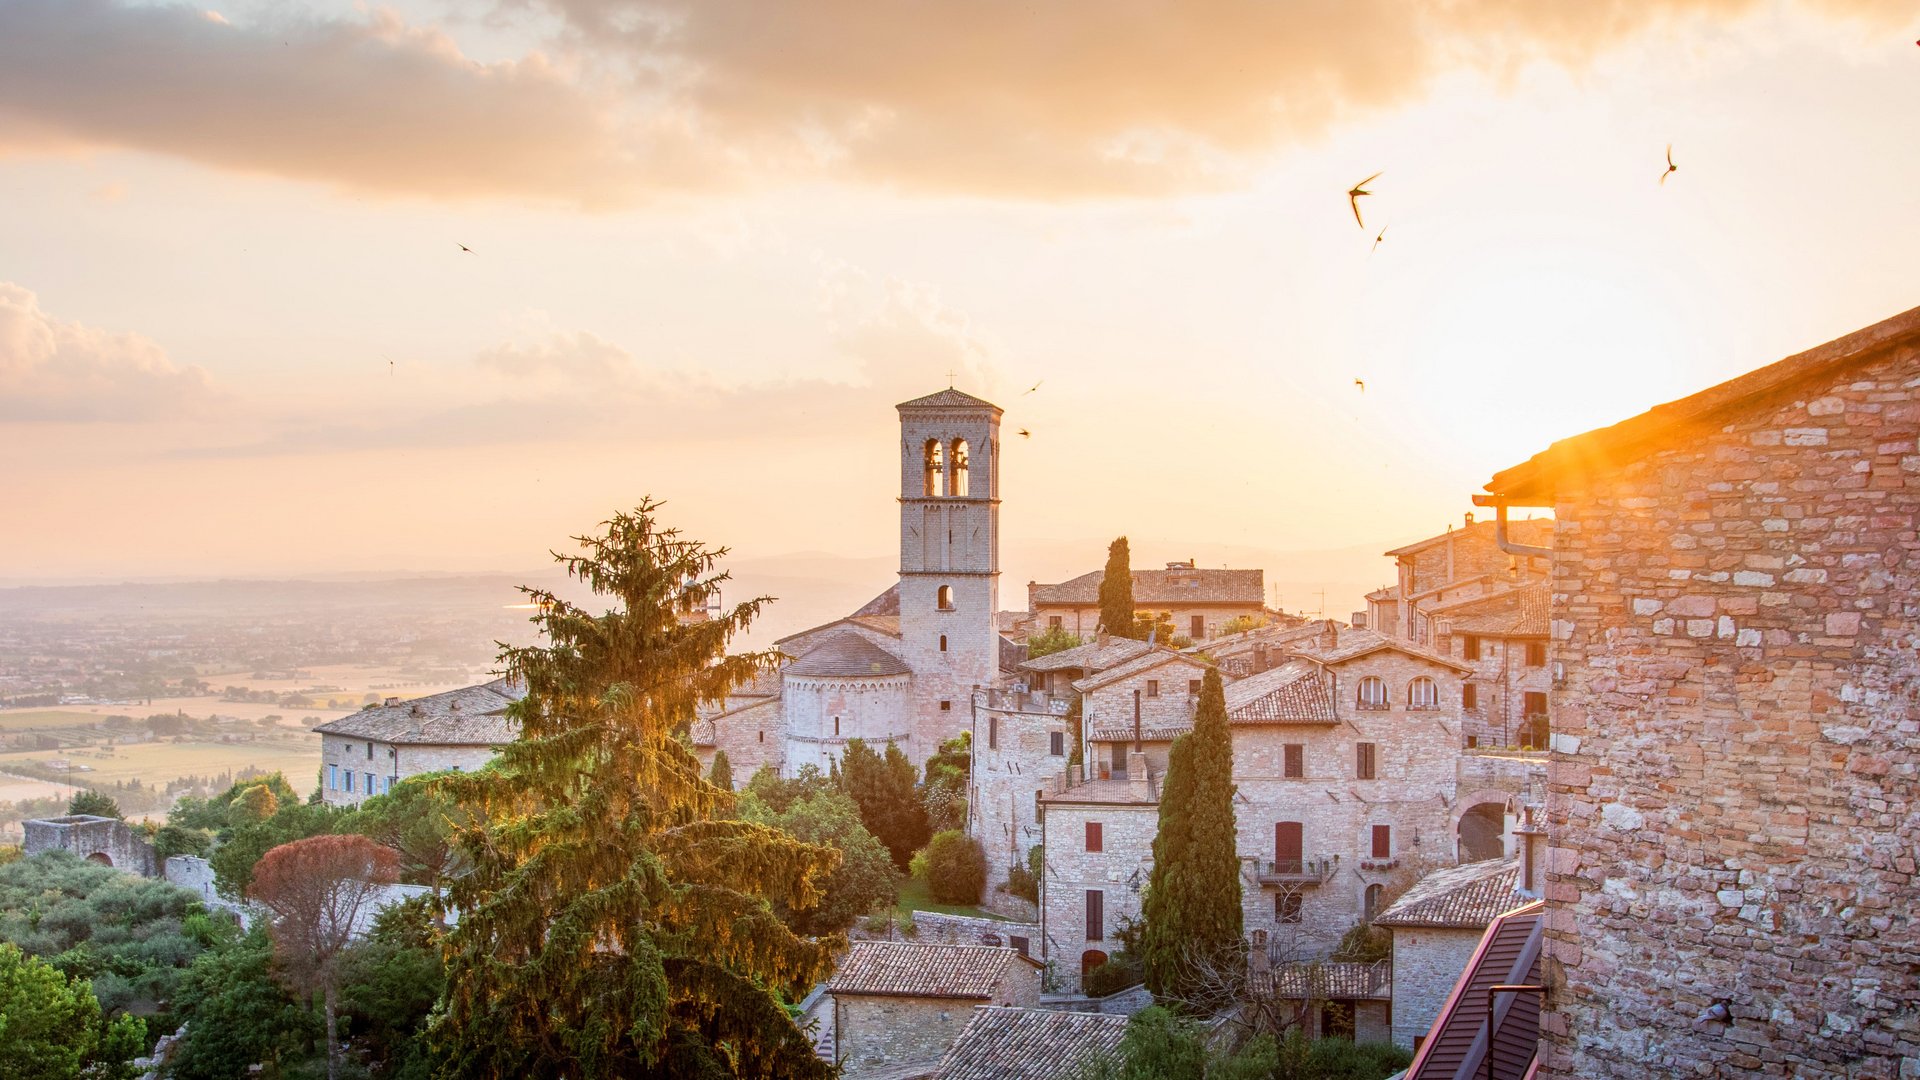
[(1116, 591), (1193, 944), (883, 787), (615, 923)]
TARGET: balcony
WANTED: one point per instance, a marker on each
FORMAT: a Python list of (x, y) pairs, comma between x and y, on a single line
[(1380, 864), (1294, 871)]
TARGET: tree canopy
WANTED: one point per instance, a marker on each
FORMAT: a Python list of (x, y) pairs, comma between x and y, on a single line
[(882, 785), (615, 921), (1192, 943), (51, 1026), (95, 803), (1116, 591), (863, 881)]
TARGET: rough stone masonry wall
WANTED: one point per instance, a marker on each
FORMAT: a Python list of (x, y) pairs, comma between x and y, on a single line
[(1006, 820), (95, 838), (1732, 806), (1427, 962), (878, 1031), (1120, 871)]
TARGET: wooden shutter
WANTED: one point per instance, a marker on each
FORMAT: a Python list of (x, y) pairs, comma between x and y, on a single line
[(1296, 759), (1096, 915), (1287, 846), (1094, 838), (1383, 841)]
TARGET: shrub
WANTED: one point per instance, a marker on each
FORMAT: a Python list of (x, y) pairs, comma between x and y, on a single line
[(954, 867), (1024, 881), (1364, 944), (1051, 640)]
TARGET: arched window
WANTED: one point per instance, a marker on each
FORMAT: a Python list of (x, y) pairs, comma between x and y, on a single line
[(1091, 959), (959, 486), (1423, 694), (944, 598), (936, 469), (1373, 692), (1374, 893), (943, 643)]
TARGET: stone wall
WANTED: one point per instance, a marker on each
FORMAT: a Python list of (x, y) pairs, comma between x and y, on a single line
[(753, 735), (389, 764), (1119, 872), (1013, 759), (876, 1032), (1427, 962), (96, 839), (935, 928), (1732, 798)]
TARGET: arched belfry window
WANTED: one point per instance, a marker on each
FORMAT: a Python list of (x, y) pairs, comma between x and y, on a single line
[(944, 598), (958, 488), (936, 469)]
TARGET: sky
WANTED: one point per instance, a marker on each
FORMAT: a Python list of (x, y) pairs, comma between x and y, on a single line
[(713, 243)]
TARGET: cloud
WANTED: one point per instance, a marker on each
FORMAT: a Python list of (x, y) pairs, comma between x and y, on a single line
[(1054, 100), (62, 371), (579, 356), (371, 105)]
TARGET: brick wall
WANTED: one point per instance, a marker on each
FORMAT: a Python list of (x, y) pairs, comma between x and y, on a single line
[(1733, 793)]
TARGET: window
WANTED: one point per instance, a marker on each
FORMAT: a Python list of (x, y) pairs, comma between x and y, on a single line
[(1536, 654), (1288, 848), (349, 781), (943, 643), (370, 784), (1197, 628), (1057, 743), (1363, 761), (1286, 906), (333, 778), (763, 736), (836, 725), (958, 488), (1537, 732), (1469, 696), (1473, 741), (936, 469), (1053, 622), (1193, 687), (1020, 944), (1094, 838), (1153, 687), (993, 733), (1423, 694), (1383, 841), (946, 705), (369, 751), (1374, 893), (944, 598), (1097, 916), (1372, 692), (1296, 760), (1470, 646)]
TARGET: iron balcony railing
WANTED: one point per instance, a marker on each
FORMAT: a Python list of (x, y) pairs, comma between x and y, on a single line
[(1295, 871)]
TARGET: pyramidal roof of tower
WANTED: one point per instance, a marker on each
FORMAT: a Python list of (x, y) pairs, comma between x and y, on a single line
[(948, 399)]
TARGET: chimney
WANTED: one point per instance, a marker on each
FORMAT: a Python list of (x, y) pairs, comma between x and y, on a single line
[(1469, 519), (1137, 783), (1533, 850), (1257, 959), (1101, 638), (1359, 620), (1259, 658), (392, 701)]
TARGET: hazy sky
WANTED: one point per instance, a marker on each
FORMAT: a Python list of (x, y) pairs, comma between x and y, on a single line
[(714, 242)]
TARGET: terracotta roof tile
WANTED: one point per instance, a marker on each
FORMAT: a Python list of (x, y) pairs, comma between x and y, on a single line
[(1468, 896), (1296, 692), (847, 654), (1327, 979), (1154, 588), (1091, 656), (1353, 644), (1146, 661), (906, 969), (469, 716), (1521, 612), (948, 399), (1005, 1043)]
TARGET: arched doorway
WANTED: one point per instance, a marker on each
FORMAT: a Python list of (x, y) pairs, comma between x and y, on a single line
[(100, 857), (1091, 959), (1481, 828)]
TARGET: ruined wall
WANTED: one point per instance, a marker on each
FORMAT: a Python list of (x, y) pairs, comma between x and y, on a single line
[(97, 839), (1732, 806)]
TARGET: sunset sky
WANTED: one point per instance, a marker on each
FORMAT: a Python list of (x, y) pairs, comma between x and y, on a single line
[(714, 242)]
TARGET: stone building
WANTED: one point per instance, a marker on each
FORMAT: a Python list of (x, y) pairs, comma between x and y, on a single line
[(750, 726), (108, 841), (897, 1003), (1458, 564), (1199, 601), (1005, 1043), (365, 753), (1152, 694), (1733, 797), (1503, 636), (1508, 954), (1436, 926)]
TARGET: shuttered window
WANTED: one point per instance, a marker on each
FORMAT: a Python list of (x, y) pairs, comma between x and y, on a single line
[(1363, 760)]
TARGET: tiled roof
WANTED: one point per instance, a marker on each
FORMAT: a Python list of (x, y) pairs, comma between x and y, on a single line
[(1106, 793), (883, 624), (847, 654), (1247, 640), (1537, 532), (1091, 656), (1146, 661), (1155, 588), (470, 716), (1521, 612), (1296, 692), (948, 399), (1468, 896), (1508, 954), (887, 603), (1327, 979), (906, 969), (1534, 482), (1001, 1042), (1353, 644)]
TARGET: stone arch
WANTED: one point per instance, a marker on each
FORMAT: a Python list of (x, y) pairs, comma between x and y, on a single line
[(1090, 960), (100, 857), (1480, 824)]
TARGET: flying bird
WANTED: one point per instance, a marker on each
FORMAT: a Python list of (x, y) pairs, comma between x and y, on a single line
[(1377, 239), (468, 250), (1032, 388), (1353, 197), (1362, 384), (1025, 434), (1671, 167)]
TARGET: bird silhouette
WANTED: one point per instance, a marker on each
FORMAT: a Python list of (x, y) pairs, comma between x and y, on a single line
[(1025, 434), (468, 250), (389, 361), (1362, 384), (1032, 388), (1671, 167), (1353, 197), (1377, 239)]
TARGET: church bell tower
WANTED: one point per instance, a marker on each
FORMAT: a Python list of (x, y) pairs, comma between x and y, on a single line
[(949, 558)]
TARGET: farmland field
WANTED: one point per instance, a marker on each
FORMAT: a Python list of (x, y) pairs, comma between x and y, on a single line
[(23, 719), (159, 762)]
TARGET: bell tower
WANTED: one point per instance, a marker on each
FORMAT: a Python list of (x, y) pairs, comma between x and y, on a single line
[(949, 558)]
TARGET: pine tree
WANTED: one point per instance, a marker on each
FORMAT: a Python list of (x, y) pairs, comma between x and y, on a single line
[(1116, 591), (721, 775), (615, 923), (1193, 939)]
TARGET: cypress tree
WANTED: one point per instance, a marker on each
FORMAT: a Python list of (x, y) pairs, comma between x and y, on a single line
[(722, 774), (1116, 591), (1193, 938), (615, 922)]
